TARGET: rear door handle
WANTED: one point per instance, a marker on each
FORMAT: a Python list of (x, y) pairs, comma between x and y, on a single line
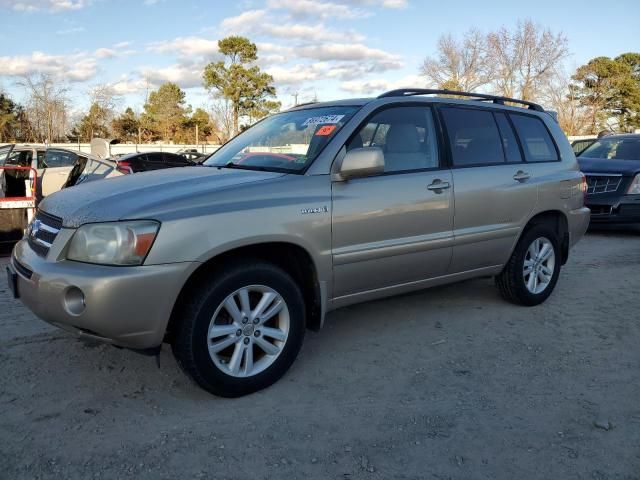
[(521, 176), (438, 185)]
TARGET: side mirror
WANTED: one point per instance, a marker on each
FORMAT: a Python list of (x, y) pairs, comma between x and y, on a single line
[(361, 162)]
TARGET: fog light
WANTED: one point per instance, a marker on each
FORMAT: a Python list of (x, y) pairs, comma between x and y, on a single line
[(74, 301)]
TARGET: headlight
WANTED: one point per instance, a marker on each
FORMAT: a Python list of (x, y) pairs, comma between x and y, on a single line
[(113, 243), (634, 188)]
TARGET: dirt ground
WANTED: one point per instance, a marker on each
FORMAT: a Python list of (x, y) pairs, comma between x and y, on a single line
[(449, 383)]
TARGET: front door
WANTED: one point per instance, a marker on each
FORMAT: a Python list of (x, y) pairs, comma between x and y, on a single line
[(55, 169), (394, 228)]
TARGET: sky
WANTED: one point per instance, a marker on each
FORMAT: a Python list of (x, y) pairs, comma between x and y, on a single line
[(325, 49)]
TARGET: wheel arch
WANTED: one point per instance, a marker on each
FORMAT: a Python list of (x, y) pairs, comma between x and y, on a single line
[(558, 221), (291, 257)]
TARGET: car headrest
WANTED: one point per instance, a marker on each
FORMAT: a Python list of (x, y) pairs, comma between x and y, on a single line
[(402, 138)]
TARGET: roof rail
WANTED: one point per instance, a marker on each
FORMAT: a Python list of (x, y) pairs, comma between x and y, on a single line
[(483, 97)]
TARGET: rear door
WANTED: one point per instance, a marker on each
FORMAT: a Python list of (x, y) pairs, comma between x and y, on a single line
[(55, 169), (495, 191), (394, 228)]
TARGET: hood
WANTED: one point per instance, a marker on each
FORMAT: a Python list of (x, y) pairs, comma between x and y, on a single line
[(603, 165), (146, 195)]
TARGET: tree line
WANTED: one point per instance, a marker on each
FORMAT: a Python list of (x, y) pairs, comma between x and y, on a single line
[(524, 62), (241, 94)]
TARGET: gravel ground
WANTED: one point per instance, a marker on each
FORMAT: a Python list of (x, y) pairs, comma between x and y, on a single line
[(447, 383)]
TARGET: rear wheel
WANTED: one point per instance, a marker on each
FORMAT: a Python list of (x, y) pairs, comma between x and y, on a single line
[(241, 332), (533, 269)]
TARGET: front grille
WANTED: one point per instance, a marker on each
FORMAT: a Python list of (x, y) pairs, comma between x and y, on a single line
[(43, 231), (603, 183)]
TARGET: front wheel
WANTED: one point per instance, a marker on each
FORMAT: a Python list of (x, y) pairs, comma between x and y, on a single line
[(242, 330), (533, 269)]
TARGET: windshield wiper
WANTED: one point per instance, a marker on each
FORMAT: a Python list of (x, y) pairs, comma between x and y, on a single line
[(242, 167), (258, 168)]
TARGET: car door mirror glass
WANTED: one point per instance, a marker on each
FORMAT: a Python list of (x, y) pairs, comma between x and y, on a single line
[(362, 162)]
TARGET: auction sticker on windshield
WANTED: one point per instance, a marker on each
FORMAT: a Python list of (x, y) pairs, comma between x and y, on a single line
[(325, 130), (322, 120)]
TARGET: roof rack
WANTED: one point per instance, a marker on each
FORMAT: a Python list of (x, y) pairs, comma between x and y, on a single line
[(483, 97)]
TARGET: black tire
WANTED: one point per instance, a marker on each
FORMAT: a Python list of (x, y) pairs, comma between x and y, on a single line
[(511, 282), (190, 345)]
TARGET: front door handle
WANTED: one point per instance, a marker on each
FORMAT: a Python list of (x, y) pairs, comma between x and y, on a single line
[(438, 186), (521, 176)]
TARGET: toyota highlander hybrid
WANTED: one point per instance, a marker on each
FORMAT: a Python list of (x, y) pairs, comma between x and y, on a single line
[(318, 207)]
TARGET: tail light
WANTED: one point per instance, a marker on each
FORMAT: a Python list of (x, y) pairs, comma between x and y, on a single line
[(584, 187), (124, 168)]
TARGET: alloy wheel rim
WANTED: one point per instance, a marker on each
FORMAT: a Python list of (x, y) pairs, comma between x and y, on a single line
[(539, 265), (248, 331)]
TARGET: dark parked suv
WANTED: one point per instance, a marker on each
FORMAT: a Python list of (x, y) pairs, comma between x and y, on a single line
[(612, 167)]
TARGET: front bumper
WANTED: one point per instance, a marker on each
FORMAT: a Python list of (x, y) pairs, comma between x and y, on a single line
[(126, 306), (614, 209)]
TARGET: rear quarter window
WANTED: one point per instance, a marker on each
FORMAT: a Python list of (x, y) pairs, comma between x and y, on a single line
[(535, 139)]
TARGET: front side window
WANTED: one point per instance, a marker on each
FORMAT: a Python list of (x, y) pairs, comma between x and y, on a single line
[(406, 136), (473, 137), (19, 159), (535, 139), (286, 142), (614, 149)]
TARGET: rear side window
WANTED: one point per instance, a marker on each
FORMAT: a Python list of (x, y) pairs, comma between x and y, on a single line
[(509, 142), (534, 136), (473, 137), (175, 159)]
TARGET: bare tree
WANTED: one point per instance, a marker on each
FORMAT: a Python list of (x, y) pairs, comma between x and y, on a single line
[(46, 106), (103, 104), (562, 96), (524, 60), (458, 64), (221, 113)]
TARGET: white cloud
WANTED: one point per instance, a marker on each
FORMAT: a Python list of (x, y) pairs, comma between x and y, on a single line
[(380, 85), (106, 53), (128, 84), (317, 10), (75, 68), (394, 4), (51, 5), (186, 47), (349, 52), (185, 75), (259, 23), (70, 31), (298, 73)]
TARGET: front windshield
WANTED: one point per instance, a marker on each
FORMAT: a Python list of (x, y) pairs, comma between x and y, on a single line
[(286, 142), (614, 148)]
